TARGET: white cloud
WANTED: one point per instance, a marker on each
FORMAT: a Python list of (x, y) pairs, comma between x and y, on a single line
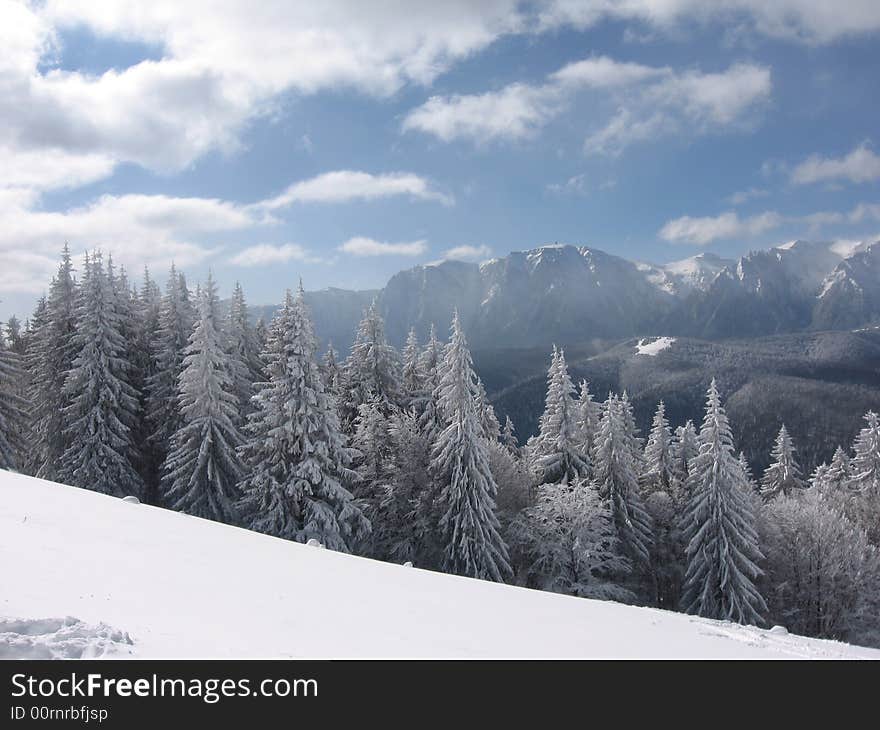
[(137, 229), (719, 98), (863, 212), (702, 231), (346, 185), (744, 196), (26, 272), (221, 65), (626, 128), (265, 254), (362, 246), (697, 102), (859, 166), (467, 253), (514, 112), (50, 169), (728, 225), (811, 21), (602, 72), (575, 185), (156, 229), (649, 102)]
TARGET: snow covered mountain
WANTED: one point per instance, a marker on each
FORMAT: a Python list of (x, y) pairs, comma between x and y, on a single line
[(691, 274), (85, 576), (567, 294), (562, 293), (850, 296)]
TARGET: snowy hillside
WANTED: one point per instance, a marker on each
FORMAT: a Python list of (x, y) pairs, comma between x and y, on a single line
[(140, 581)]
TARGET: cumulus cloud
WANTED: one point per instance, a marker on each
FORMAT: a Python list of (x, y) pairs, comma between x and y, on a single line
[(138, 229), (859, 166), (265, 254), (221, 65), (810, 21), (648, 102), (467, 253), (347, 185), (362, 246), (514, 112), (729, 225), (694, 101), (705, 230)]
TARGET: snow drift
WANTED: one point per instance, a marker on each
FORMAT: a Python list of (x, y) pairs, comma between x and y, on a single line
[(141, 581)]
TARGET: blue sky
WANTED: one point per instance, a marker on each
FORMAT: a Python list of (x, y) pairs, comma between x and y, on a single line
[(343, 143)]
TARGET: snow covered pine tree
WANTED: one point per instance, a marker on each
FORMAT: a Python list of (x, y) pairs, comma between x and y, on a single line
[(472, 543), (103, 405), (203, 468), (722, 550), (295, 455), (783, 476), (557, 457)]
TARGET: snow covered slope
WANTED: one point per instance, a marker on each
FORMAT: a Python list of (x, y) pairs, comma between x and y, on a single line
[(148, 582)]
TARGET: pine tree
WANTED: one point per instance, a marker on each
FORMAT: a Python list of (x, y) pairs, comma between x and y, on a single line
[(508, 436), (657, 484), (13, 409), (146, 307), (331, 371), (201, 473), (659, 469), (837, 475), (783, 476), (14, 336), (489, 424), (103, 404), (50, 358), (472, 543), (865, 464), (295, 454), (372, 370), (557, 456), (412, 382), (685, 448), (244, 353), (817, 478), (261, 334), (588, 415), (748, 479), (176, 319), (430, 420), (863, 504), (614, 473), (631, 432), (722, 550), (572, 545), (372, 441), (36, 369), (407, 528)]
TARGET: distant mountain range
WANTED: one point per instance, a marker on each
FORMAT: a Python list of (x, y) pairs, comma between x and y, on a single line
[(792, 333), (575, 294)]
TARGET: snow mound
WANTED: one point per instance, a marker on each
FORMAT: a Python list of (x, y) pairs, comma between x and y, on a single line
[(60, 638), (182, 587), (653, 347)]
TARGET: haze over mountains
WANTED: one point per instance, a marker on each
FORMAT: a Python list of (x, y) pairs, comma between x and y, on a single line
[(574, 294)]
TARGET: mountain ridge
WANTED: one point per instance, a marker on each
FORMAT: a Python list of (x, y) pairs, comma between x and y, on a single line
[(563, 294)]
